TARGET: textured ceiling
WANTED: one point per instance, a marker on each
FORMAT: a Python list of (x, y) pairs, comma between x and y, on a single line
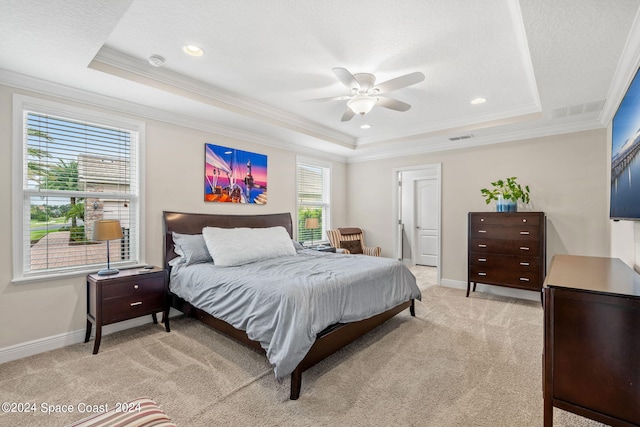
[(545, 66)]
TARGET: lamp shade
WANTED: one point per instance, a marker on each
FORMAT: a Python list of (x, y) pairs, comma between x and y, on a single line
[(362, 104), (311, 223), (107, 229)]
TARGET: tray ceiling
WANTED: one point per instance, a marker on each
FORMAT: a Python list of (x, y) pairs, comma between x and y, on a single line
[(544, 66)]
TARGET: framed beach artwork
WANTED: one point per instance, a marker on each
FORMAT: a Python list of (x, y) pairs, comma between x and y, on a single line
[(234, 176)]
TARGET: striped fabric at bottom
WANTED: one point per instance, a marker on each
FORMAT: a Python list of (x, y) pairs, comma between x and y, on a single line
[(144, 413)]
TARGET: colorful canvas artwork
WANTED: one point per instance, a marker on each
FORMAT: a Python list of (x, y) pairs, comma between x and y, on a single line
[(234, 176)]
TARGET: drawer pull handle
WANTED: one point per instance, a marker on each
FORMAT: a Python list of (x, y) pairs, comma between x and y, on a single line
[(133, 304), (524, 263), (482, 231), (482, 274), (524, 233), (524, 220), (524, 279), (524, 248), (482, 260), (135, 286), (481, 219), (482, 246)]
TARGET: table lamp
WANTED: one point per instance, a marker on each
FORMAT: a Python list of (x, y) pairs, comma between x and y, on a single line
[(311, 224), (107, 229)]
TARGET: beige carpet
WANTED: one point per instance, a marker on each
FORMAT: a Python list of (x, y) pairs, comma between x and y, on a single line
[(460, 362)]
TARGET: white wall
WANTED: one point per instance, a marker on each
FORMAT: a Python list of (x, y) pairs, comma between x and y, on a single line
[(567, 175), (174, 166)]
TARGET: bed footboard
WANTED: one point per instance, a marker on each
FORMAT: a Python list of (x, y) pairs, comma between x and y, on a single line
[(337, 338)]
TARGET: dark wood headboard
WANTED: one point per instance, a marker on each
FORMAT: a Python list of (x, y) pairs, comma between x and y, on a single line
[(193, 223)]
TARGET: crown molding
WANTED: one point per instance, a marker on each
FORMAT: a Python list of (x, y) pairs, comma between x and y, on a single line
[(423, 147), (124, 66), (625, 71), (94, 100), (520, 33), (412, 145), (512, 115)]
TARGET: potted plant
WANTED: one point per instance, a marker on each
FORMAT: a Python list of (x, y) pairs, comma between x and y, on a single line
[(506, 193)]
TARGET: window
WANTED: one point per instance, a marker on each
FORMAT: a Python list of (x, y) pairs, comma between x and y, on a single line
[(313, 199), (74, 168)]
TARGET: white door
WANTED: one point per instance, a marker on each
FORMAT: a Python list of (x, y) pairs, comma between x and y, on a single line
[(426, 221)]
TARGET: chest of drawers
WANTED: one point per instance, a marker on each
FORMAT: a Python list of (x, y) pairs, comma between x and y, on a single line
[(507, 249)]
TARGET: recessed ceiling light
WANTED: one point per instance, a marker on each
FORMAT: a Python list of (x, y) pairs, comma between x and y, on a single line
[(479, 101), (365, 126), (193, 50), (156, 60)]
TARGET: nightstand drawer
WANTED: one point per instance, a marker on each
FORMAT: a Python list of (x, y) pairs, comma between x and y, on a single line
[(135, 286), (130, 306)]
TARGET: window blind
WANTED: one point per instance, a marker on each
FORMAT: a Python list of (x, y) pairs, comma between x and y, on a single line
[(313, 200), (74, 173)]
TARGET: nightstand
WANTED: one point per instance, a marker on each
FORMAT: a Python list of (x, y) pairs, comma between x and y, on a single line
[(129, 294)]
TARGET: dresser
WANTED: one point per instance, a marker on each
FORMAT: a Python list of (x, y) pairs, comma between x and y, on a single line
[(507, 249), (592, 340)]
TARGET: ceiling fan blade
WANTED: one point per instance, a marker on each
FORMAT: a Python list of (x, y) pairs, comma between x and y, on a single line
[(348, 115), (331, 98), (393, 104), (400, 82), (346, 78)]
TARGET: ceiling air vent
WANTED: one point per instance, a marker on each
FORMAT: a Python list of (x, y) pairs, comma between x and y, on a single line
[(458, 138), (575, 110)]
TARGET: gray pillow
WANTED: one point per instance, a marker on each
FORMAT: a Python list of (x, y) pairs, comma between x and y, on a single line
[(192, 248)]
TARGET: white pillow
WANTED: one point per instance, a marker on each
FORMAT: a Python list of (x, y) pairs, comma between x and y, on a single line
[(237, 246)]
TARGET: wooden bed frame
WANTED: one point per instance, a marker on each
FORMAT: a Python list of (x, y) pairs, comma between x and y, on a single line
[(327, 342)]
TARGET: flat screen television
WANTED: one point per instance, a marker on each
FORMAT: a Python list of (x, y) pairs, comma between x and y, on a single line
[(625, 156)]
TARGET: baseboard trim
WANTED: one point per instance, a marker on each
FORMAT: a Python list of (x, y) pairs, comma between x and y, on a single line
[(30, 348), (495, 290)]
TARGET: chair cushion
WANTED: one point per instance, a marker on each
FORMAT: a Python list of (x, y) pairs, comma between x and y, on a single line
[(349, 231), (353, 246)]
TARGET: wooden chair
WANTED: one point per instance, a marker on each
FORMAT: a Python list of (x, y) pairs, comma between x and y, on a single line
[(351, 241)]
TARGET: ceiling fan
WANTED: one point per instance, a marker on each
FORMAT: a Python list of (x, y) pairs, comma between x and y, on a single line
[(364, 94)]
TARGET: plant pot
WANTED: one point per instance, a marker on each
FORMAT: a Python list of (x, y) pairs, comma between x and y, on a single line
[(506, 205)]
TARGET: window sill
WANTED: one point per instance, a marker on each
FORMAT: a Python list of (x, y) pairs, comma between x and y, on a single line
[(67, 274)]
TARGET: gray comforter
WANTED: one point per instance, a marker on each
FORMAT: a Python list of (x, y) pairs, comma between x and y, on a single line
[(283, 303)]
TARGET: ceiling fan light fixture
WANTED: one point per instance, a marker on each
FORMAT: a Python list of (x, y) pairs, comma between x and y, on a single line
[(362, 104)]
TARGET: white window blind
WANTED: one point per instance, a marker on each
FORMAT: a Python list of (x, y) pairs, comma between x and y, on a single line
[(313, 200), (75, 172)]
